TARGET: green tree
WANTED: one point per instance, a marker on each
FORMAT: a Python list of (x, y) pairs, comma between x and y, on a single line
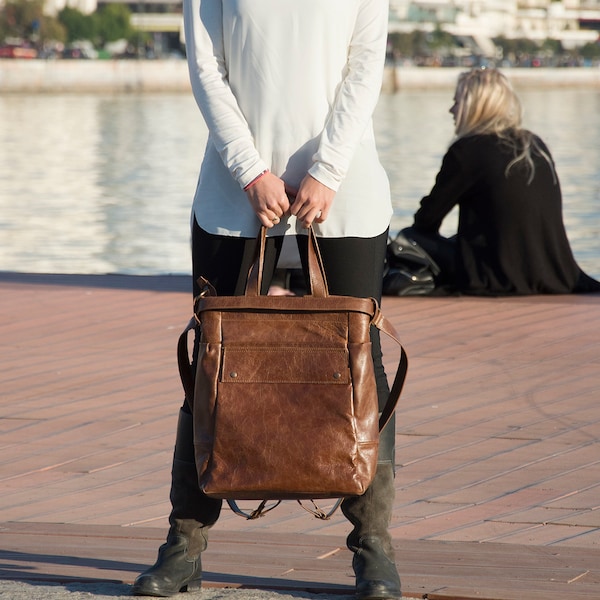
[(518, 49), (25, 20), (591, 50), (52, 30), (552, 47), (78, 25), (409, 44), (113, 23), (21, 18), (441, 40)]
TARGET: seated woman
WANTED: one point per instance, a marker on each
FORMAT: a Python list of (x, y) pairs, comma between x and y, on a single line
[(511, 237)]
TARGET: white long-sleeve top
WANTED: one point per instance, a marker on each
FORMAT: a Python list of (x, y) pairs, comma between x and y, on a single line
[(289, 86)]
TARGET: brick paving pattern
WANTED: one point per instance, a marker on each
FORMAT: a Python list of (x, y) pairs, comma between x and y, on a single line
[(497, 445)]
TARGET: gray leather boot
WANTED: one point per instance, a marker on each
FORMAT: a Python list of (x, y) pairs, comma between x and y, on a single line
[(373, 561), (178, 567)]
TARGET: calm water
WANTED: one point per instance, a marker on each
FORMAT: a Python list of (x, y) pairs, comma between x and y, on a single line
[(103, 183)]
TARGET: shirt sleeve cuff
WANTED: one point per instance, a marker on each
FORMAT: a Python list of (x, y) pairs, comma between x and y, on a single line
[(324, 176), (251, 174)]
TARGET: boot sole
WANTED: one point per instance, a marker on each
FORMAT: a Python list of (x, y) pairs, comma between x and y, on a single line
[(378, 594), (155, 592)]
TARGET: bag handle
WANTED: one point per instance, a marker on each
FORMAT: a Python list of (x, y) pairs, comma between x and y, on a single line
[(318, 288), (316, 273)]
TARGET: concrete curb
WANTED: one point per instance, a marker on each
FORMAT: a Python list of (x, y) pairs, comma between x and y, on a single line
[(56, 76)]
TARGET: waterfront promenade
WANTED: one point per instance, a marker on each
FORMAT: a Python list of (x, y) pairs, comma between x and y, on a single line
[(109, 76), (497, 437)]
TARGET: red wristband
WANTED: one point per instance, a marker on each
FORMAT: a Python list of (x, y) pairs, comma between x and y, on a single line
[(256, 179)]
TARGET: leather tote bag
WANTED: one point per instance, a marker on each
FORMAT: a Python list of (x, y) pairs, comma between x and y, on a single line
[(284, 395)]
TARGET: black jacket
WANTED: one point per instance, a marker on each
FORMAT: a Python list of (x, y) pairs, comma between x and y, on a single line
[(511, 238)]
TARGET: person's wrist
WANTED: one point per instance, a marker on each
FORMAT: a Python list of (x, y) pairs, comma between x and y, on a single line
[(256, 179)]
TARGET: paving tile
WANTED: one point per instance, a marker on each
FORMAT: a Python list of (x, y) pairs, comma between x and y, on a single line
[(554, 535), (497, 429), (588, 497)]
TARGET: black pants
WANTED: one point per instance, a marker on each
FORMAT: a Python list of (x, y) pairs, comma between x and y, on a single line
[(353, 267)]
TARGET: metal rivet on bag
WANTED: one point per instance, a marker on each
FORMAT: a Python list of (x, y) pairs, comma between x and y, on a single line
[(233, 374), (337, 375)]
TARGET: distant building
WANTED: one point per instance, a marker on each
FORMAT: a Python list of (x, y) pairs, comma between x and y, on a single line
[(572, 22), (53, 7)]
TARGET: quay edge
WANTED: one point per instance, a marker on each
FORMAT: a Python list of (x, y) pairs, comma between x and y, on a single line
[(133, 76)]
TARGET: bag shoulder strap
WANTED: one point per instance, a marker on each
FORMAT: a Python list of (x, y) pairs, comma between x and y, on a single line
[(385, 325), (183, 363)]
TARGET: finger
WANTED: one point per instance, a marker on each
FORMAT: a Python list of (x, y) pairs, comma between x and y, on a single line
[(279, 208), (311, 217), (299, 206), (321, 216), (265, 220), (269, 218), (300, 209)]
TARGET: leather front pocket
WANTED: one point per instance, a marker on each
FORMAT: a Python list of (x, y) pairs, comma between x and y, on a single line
[(285, 365)]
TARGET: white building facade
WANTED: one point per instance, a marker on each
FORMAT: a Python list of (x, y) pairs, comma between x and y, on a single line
[(573, 22)]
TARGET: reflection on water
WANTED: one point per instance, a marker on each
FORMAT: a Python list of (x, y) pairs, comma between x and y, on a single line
[(94, 184), (103, 183)]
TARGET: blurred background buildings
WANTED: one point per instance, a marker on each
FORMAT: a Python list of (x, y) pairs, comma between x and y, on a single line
[(572, 22), (473, 25)]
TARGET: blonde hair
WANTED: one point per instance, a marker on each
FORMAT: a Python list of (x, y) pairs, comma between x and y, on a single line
[(487, 104)]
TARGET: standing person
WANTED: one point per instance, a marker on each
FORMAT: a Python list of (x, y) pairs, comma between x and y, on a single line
[(511, 238), (287, 90)]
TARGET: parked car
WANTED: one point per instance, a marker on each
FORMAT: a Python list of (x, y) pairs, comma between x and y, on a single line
[(14, 51)]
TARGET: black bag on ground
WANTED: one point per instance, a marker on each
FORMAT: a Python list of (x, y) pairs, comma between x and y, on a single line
[(410, 271)]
